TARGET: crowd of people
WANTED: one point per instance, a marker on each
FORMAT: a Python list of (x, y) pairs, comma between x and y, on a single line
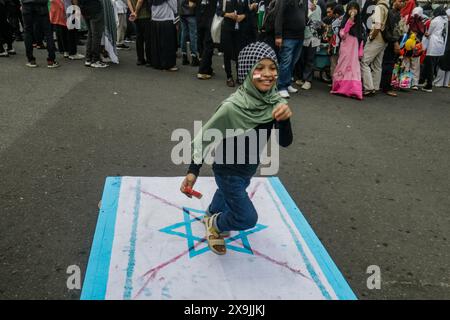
[(360, 50)]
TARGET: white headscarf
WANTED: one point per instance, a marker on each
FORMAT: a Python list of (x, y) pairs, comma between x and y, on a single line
[(417, 11)]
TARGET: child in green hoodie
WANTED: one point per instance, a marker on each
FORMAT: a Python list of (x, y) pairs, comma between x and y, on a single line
[(255, 107)]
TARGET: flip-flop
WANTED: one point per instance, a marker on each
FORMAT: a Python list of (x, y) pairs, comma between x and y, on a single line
[(215, 242)]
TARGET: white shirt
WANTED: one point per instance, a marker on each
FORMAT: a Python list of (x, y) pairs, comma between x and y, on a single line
[(120, 5), (435, 43)]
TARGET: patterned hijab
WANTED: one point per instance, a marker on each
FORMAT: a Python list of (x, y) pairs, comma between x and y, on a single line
[(247, 107)]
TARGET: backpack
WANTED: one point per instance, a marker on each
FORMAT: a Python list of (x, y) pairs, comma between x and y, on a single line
[(268, 24), (391, 32)]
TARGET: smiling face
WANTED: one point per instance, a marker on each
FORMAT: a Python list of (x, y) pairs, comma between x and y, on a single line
[(265, 75)]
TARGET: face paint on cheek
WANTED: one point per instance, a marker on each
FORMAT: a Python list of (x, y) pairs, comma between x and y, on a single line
[(257, 75)]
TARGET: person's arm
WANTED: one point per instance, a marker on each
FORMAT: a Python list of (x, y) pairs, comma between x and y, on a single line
[(282, 113), (130, 6), (285, 137), (243, 15), (138, 6), (376, 26), (279, 22)]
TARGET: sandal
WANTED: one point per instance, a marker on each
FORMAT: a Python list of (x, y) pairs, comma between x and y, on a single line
[(224, 234), (216, 243), (391, 93), (369, 93)]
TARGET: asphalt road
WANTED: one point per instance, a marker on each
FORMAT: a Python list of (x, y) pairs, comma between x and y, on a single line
[(371, 177)]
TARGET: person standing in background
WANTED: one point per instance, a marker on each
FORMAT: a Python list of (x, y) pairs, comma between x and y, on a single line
[(35, 14), (141, 17), (188, 20), (121, 9), (164, 35)]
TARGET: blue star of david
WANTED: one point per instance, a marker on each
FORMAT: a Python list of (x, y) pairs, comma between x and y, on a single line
[(191, 238)]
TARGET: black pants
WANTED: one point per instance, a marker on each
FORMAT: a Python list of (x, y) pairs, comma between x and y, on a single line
[(15, 18), (429, 70), (205, 47), (232, 43), (304, 68), (36, 15), (143, 33), (67, 39), (389, 59), (96, 25), (5, 29)]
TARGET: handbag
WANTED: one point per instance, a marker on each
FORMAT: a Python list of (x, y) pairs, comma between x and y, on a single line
[(216, 25)]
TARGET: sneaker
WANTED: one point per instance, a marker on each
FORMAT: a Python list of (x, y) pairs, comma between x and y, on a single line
[(87, 63), (299, 82), (41, 46), (106, 59), (306, 85), (415, 88), (291, 89), (203, 76), (230, 82), (76, 57), (52, 64), (284, 94), (141, 63), (11, 51), (122, 47), (99, 64), (31, 64), (427, 89), (66, 55), (173, 69), (4, 54)]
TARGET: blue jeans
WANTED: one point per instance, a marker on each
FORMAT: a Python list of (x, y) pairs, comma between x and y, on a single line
[(189, 24), (233, 203), (288, 56)]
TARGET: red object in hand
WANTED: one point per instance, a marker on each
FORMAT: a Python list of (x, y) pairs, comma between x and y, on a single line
[(194, 193)]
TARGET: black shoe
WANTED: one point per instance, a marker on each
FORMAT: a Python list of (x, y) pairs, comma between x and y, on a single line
[(123, 46), (195, 62), (185, 60), (427, 89), (140, 63), (230, 82)]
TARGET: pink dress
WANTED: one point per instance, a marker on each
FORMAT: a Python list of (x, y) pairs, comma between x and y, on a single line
[(347, 75)]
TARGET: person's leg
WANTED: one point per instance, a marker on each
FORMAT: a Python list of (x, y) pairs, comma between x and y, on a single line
[(183, 35), (208, 51), (147, 39), (370, 53), (387, 68), (440, 78), (44, 25), (286, 56), (98, 26), (28, 25), (415, 68), (140, 41), (72, 41), (227, 42), (121, 28), (192, 23), (239, 212), (89, 39), (333, 63), (377, 66), (310, 53), (428, 72)]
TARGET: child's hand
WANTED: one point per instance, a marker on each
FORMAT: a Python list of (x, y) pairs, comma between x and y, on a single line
[(282, 112), (189, 181)]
